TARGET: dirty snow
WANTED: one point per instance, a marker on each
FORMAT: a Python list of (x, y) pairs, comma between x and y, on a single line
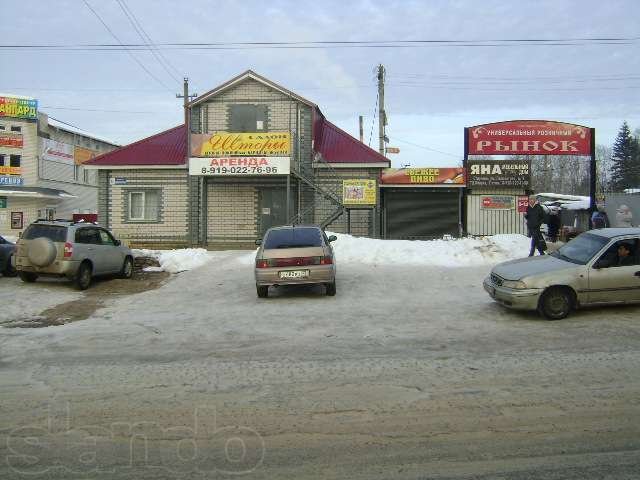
[(349, 249)]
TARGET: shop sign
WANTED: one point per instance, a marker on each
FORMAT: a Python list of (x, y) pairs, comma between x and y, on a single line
[(57, 152), (239, 166), (3, 202), (16, 220), (11, 180), (82, 155), (359, 192), (498, 202), (223, 144), (18, 107), (499, 173), (529, 137), (10, 170), (423, 176), (523, 203), (11, 140)]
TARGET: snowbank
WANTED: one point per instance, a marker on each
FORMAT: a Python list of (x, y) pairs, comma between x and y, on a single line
[(369, 251), (175, 261), (447, 253)]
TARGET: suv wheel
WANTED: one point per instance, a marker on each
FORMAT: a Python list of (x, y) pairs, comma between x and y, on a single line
[(331, 288), (83, 276), (10, 270), (27, 277), (127, 268), (262, 290)]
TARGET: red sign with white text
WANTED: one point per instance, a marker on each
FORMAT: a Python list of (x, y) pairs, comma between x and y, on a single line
[(529, 137), (523, 203)]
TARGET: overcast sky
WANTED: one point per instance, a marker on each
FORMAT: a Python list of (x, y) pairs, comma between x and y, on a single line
[(433, 90)]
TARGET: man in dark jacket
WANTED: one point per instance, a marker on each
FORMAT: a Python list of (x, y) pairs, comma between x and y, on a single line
[(535, 217)]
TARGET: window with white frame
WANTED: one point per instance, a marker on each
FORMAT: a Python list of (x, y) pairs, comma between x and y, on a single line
[(144, 206)]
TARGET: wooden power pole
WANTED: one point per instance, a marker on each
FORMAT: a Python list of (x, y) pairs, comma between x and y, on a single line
[(382, 116)]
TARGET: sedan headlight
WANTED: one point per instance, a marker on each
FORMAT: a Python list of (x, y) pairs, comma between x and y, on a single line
[(516, 284)]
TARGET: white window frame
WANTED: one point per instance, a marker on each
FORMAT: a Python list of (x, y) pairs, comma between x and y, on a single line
[(144, 193)]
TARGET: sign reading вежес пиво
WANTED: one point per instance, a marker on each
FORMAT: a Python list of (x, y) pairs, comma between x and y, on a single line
[(499, 173), (529, 137)]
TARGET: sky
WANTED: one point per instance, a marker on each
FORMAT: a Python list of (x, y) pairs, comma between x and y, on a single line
[(449, 64)]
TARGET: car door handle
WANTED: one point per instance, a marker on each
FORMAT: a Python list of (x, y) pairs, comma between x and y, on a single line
[(90, 248)]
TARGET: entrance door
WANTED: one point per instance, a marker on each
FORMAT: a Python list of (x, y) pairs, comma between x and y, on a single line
[(273, 208)]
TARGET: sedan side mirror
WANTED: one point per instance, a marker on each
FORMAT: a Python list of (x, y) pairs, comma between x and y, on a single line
[(259, 242), (332, 238), (118, 243)]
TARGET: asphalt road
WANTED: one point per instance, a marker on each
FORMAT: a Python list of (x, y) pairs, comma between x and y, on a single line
[(407, 373)]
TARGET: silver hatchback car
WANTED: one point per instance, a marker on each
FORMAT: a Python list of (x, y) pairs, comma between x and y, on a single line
[(294, 255), (597, 267)]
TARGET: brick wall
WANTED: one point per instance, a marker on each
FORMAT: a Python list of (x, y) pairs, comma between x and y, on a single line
[(169, 230), (231, 214)]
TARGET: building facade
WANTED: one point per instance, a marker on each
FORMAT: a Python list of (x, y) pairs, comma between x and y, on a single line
[(254, 155), (42, 172)]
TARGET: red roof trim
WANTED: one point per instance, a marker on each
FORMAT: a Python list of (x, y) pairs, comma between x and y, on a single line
[(337, 146), (164, 148)]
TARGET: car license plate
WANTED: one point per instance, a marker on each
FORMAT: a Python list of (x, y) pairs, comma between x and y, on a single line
[(294, 274)]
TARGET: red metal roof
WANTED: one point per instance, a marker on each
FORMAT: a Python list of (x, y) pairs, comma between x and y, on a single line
[(337, 146), (164, 148)]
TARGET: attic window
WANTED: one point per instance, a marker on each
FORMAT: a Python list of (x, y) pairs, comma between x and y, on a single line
[(248, 118)]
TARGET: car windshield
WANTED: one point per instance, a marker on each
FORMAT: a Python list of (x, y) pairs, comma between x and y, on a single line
[(293, 238), (52, 232), (581, 249)]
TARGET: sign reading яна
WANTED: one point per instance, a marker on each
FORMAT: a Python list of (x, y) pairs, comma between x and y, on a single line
[(18, 107), (223, 144), (239, 166), (499, 173), (529, 137), (498, 202), (423, 176), (359, 192)]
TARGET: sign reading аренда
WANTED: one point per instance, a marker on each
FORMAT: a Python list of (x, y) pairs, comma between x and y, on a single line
[(499, 173), (239, 166)]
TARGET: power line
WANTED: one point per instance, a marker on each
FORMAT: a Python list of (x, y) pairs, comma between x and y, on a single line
[(341, 43), (127, 50), (92, 109), (425, 148), (142, 34)]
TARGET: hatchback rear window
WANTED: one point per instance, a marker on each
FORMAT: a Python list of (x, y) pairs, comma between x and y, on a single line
[(294, 238), (52, 232)]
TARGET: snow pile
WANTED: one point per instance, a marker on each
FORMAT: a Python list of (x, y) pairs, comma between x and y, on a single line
[(446, 253), (175, 261)]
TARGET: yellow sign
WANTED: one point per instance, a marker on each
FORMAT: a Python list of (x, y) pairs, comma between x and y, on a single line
[(359, 192), (10, 170), (82, 155), (221, 144)]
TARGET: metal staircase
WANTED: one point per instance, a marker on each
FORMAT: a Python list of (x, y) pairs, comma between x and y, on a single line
[(329, 187)]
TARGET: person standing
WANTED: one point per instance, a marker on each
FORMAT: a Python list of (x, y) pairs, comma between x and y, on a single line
[(553, 224), (624, 216), (535, 218)]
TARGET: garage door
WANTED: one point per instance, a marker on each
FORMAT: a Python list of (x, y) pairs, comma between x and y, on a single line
[(421, 213)]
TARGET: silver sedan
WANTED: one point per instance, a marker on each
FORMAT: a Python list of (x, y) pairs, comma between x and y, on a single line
[(598, 267)]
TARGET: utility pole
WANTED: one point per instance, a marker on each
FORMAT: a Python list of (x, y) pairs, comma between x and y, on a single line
[(187, 121), (382, 115), (193, 187), (361, 123)]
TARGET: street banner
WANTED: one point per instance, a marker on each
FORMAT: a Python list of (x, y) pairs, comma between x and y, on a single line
[(19, 107), (498, 202), (53, 151)]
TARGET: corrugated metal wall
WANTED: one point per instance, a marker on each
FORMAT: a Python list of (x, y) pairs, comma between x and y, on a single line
[(491, 222)]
